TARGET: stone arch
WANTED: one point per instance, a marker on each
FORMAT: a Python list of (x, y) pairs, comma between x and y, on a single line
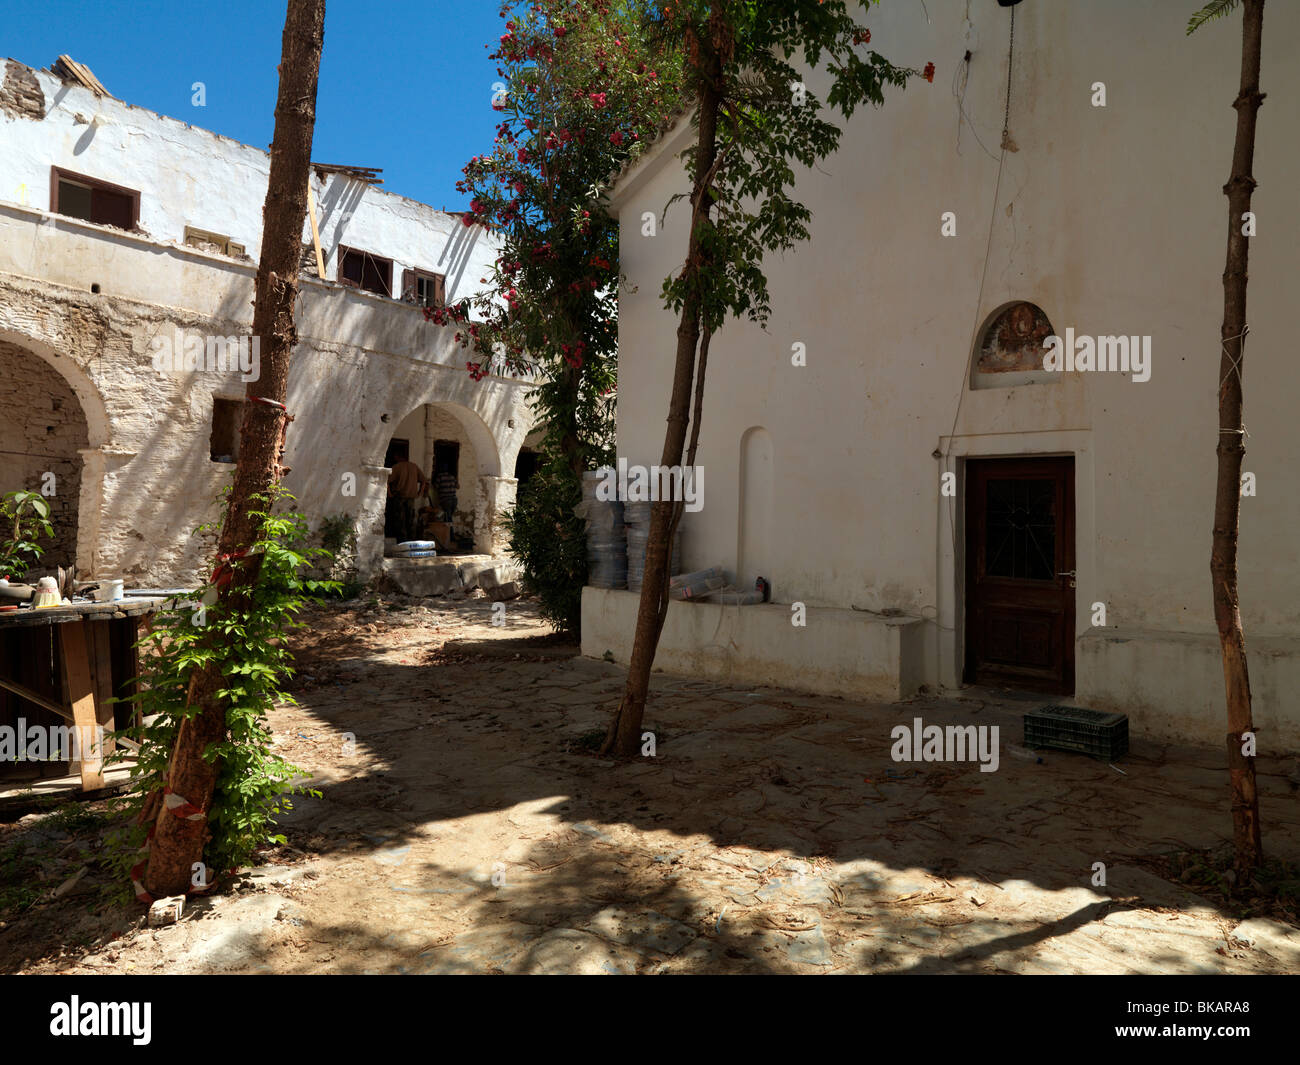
[(431, 426), (476, 430), (53, 433), (98, 428)]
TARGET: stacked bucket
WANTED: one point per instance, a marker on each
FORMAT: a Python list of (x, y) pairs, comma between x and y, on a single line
[(606, 546), (637, 518)]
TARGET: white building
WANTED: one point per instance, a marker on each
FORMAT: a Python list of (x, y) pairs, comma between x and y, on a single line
[(1072, 553), (121, 229)]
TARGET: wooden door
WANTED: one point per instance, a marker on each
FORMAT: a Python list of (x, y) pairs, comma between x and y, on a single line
[(1020, 578)]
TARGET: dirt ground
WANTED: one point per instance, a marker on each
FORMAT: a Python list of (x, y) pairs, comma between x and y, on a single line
[(465, 825)]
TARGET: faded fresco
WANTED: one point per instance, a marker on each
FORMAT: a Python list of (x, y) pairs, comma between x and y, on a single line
[(1013, 341)]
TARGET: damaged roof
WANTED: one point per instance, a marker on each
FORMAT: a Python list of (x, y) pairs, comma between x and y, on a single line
[(69, 69)]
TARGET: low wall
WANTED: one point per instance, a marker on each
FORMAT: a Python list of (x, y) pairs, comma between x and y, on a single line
[(838, 652), (1171, 685)]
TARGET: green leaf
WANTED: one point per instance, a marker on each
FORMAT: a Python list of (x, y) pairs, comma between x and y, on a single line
[(1214, 9)]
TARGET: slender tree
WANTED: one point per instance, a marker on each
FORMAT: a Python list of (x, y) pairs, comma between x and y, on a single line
[(755, 121), (1232, 440), (181, 826)]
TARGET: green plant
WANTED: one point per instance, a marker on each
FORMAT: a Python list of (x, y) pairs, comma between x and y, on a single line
[(243, 637), (338, 536), (25, 517), (550, 543), (338, 533), (586, 88)]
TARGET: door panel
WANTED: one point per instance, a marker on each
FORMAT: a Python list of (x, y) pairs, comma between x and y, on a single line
[(1020, 573)]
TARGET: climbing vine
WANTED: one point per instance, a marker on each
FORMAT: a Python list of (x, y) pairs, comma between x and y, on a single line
[(244, 636)]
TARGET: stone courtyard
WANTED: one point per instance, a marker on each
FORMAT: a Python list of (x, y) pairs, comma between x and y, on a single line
[(466, 824)]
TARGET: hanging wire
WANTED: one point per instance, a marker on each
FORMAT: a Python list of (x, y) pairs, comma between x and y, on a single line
[(988, 247), (1011, 54), (962, 76), (979, 299)]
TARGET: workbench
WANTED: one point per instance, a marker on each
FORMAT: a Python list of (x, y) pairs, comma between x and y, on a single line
[(61, 666)]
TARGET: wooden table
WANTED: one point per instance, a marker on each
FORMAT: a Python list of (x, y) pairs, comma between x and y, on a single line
[(63, 664)]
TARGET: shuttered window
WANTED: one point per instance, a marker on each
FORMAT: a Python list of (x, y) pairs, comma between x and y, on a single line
[(424, 289), (360, 269), (95, 201)]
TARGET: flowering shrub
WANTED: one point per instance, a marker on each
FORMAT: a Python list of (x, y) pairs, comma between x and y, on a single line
[(586, 89)]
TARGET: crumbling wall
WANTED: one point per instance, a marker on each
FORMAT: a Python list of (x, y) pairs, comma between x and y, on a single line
[(42, 429), (20, 92)]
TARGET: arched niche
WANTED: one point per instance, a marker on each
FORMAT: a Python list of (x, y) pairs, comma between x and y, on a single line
[(1009, 349)]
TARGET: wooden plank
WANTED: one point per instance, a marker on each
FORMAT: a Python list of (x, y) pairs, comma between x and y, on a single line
[(57, 615), (75, 645), (101, 675), (35, 697), (82, 73), (315, 233)]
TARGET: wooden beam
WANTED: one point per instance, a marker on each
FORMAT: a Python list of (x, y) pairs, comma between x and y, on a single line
[(35, 697), (101, 675), (75, 647), (82, 73), (315, 233)]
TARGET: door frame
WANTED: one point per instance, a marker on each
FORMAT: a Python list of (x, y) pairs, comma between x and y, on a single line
[(1021, 467), (949, 647)]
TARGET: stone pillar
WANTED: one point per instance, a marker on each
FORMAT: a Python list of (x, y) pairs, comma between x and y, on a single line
[(497, 497), (372, 495), (99, 467)]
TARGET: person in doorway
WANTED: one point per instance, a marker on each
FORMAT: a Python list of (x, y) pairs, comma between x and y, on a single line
[(446, 484), (408, 485)]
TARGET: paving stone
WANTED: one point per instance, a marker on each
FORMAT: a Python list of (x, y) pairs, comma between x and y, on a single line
[(237, 937), (1280, 940), (482, 950), (757, 715), (568, 951), (641, 930), (1162, 924)]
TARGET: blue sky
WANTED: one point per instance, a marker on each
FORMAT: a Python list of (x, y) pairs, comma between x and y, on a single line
[(404, 86)]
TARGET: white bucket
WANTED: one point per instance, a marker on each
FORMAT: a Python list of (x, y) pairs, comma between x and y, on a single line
[(109, 592)]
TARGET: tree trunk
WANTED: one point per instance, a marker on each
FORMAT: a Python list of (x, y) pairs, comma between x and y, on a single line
[(178, 841), (1231, 449), (624, 735)]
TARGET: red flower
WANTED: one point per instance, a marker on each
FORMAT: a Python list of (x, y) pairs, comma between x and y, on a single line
[(597, 98), (862, 36), (929, 72), (560, 31), (616, 138)]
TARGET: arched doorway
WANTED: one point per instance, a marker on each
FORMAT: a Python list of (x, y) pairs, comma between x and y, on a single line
[(446, 438), (43, 432)]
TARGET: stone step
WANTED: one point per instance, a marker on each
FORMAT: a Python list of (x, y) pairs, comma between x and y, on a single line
[(455, 573)]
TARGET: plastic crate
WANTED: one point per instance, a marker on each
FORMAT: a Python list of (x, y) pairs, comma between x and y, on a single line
[(1073, 728)]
